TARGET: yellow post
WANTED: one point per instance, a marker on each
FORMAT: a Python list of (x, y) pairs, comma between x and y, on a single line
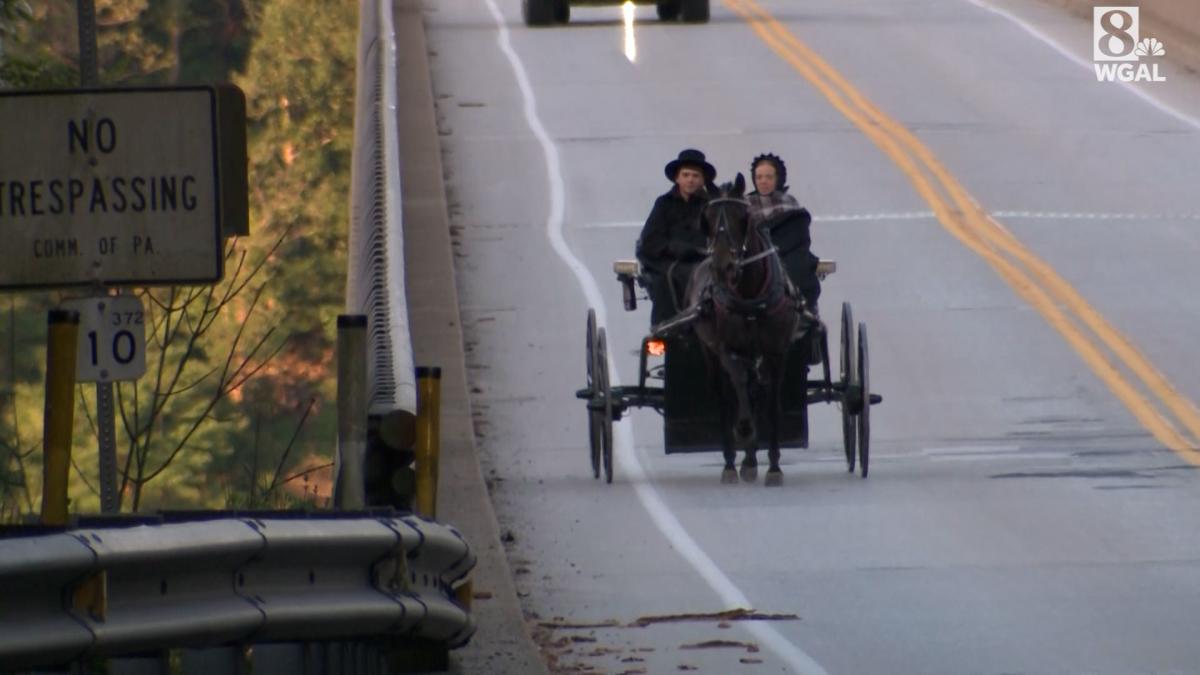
[(429, 391), (59, 421), (464, 593)]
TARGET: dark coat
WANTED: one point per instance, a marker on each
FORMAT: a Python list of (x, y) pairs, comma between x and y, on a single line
[(673, 232), (789, 231)]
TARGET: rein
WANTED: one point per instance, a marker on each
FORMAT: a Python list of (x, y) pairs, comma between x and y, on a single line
[(773, 293), (758, 256)]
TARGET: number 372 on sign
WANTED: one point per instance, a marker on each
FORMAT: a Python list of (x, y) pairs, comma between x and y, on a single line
[(112, 338)]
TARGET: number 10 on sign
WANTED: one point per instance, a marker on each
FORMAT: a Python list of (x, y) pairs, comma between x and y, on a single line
[(112, 338)]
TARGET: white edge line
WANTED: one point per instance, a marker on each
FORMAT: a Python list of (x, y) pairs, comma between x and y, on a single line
[(1140, 93), (929, 215), (666, 521)]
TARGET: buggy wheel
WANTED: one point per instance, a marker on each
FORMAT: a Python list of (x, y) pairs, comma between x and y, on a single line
[(694, 11), (668, 10), (595, 417), (538, 12), (847, 379), (864, 415), (604, 392), (562, 11)]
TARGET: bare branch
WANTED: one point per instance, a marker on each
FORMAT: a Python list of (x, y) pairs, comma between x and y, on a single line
[(168, 307), (133, 436), (291, 443), (87, 412), (307, 471), (188, 387), (158, 402), (82, 476), (12, 370), (262, 364), (198, 325), (182, 443), (265, 259), (131, 429), (257, 451), (143, 447), (229, 292), (222, 390), (21, 467)]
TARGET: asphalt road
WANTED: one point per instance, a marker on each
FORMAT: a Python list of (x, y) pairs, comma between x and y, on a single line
[(1019, 239)]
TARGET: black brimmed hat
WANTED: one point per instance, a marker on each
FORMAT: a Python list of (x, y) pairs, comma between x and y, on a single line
[(693, 157)]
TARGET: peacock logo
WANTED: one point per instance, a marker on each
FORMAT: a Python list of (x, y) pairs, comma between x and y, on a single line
[(1150, 47)]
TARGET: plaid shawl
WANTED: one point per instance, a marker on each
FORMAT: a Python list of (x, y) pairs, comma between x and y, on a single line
[(766, 207)]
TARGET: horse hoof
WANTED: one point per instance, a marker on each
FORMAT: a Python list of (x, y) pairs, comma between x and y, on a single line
[(729, 477), (749, 474), (774, 479)]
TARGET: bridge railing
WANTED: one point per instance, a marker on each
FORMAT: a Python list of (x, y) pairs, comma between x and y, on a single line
[(375, 275)]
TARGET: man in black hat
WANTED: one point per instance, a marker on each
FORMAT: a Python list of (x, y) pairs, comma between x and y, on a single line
[(673, 241)]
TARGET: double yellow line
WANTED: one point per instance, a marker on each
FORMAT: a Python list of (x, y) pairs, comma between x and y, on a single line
[(1167, 414)]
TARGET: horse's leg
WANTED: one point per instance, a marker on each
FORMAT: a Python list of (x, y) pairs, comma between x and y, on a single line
[(739, 378), (745, 435), (749, 470), (775, 374), (731, 388), (717, 376)]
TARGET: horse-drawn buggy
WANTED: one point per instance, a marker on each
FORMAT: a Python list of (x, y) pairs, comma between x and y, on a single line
[(732, 371)]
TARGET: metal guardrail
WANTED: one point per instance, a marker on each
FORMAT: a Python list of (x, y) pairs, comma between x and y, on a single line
[(112, 591), (375, 278)]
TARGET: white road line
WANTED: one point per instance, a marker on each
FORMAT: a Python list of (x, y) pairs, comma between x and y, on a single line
[(851, 217), (1139, 92), (929, 215), (631, 466), (1075, 215), (614, 225)]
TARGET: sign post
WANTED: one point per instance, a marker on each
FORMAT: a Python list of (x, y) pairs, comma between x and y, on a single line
[(111, 347), (89, 69)]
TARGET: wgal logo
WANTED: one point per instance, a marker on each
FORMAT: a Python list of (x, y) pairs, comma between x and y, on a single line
[(1117, 49)]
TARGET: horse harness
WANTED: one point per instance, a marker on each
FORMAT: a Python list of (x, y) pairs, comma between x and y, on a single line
[(777, 293)]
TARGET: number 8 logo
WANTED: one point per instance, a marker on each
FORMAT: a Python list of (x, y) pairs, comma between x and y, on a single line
[(1115, 31)]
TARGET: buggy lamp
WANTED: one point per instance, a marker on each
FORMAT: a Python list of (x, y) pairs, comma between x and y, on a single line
[(626, 268), (656, 347), (825, 268)]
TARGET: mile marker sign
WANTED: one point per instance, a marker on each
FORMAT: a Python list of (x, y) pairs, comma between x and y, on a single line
[(117, 187), (112, 338)]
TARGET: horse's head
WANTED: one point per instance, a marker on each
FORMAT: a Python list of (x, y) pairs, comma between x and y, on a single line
[(727, 223)]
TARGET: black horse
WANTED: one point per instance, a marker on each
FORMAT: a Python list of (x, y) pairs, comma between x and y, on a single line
[(747, 324)]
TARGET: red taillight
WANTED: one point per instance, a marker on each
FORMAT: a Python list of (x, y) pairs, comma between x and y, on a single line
[(656, 347)]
